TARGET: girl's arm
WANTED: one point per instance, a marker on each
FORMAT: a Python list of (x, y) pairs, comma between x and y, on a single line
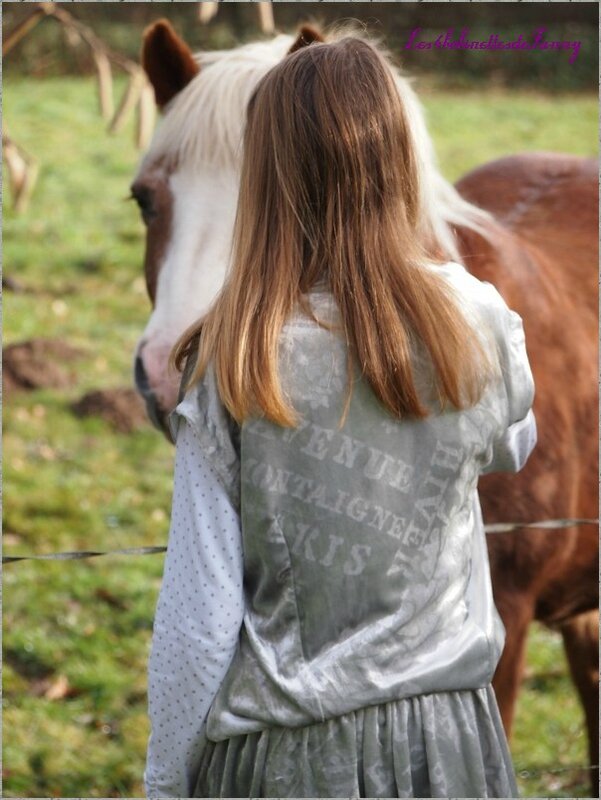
[(512, 448), (198, 617)]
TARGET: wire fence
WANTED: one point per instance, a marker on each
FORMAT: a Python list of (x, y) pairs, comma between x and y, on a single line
[(492, 528), (537, 772)]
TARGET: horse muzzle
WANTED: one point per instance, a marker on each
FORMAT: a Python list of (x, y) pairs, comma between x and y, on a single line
[(155, 411)]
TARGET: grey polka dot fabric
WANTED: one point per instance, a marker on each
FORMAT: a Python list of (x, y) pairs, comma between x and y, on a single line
[(198, 617)]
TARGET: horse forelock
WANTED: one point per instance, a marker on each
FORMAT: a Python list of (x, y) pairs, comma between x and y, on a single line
[(203, 124)]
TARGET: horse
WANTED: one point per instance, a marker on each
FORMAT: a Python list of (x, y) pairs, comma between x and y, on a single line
[(526, 223)]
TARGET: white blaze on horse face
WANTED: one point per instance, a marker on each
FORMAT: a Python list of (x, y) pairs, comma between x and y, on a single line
[(187, 248), (192, 270)]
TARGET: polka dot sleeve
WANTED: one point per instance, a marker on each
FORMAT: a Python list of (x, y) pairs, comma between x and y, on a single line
[(198, 617)]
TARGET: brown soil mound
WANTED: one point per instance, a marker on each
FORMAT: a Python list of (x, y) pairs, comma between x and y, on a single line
[(38, 364), (124, 409)]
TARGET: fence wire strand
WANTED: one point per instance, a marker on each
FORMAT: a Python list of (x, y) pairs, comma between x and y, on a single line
[(531, 772), (75, 555), (492, 528)]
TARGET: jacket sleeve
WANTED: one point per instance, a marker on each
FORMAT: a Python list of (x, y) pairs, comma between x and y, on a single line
[(201, 604), (513, 445)]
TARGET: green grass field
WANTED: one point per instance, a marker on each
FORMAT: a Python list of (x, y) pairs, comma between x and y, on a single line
[(79, 631)]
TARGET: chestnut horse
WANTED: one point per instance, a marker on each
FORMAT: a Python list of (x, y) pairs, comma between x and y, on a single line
[(526, 223)]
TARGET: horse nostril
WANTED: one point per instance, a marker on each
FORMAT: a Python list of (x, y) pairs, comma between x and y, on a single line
[(140, 376), (155, 414)]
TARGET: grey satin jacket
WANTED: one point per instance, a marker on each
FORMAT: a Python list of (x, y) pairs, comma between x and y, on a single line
[(365, 563)]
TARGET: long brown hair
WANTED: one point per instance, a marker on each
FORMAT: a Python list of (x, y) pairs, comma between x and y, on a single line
[(330, 192)]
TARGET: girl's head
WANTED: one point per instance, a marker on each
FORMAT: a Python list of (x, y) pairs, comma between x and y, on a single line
[(330, 192), (329, 158)]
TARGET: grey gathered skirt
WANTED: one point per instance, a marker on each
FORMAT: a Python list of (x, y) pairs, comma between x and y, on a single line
[(448, 744)]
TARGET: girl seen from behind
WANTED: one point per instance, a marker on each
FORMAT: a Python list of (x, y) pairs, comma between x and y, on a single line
[(325, 625)]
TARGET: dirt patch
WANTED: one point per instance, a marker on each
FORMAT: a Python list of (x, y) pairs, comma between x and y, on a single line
[(13, 284), (16, 285), (123, 408), (38, 364)]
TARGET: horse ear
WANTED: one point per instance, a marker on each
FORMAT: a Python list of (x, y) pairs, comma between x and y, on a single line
[(167, 60), (306, 35)]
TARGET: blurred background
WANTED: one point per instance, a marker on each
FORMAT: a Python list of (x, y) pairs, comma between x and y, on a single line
[(83, 468)]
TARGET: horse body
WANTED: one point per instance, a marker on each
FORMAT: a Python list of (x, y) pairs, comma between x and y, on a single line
[(527, 224), (542, 265)]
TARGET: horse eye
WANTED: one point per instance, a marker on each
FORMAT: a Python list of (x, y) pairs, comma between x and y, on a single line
[(144, 199)]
